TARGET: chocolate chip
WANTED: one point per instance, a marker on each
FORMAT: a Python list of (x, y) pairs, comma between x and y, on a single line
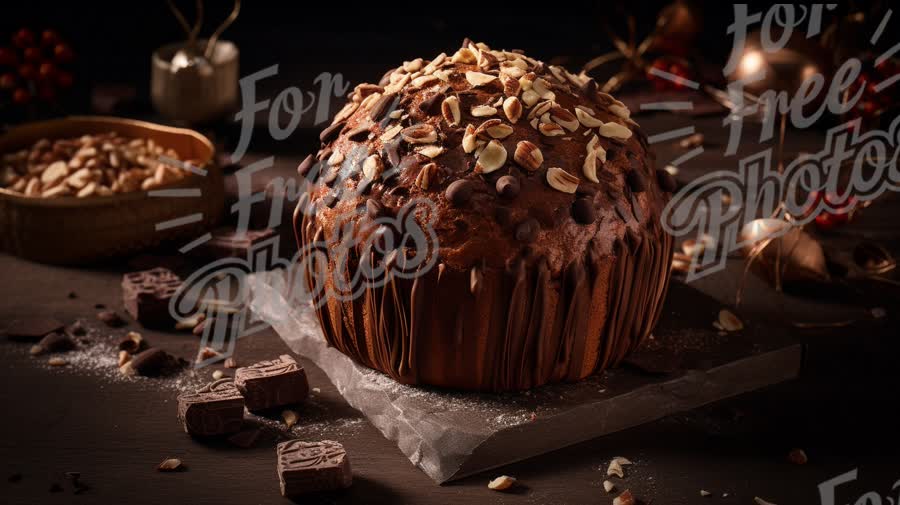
[(583, 211), (508, 186), (666, 181), (585, 190), (380, 106), (527, 230), (636, 181), (305, 165), (459, 192), (432, 105), (374, 208), (72, 295), (589, 88), (331, 133)]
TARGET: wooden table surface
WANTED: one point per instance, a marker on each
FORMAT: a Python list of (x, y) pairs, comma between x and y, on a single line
[(85, 418)]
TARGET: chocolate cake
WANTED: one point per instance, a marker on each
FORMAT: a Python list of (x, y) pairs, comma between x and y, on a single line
[(545, 259)]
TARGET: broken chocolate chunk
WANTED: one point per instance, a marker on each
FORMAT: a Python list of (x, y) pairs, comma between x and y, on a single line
[(146, 296), (111, 318), (215, 409), (307, 467), (53, 342), (274, 383)]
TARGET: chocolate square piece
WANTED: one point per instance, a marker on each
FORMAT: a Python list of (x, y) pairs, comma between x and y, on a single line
[(146, 296), (308, 467), (272, 383), (215, 409), (228, 243)]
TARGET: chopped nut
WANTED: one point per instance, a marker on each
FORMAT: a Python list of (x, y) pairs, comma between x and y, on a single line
[(615, 468), (290, 418), (729, 321), (511, 85), (564, 118), (424, 81), (391, 132), (501, 483), (798, 457), (54, 173), (373, 167), (132, 342), (426, 176), (587, 119), (615, 131), (450, 111), (336, 158), (218, 374), (540, 109), (512, 107), (421, 133), (561, 180), (170, 465), (619, 110), (479, 79), (464, 55), (530, 97), (551, 130), (230, 363), (124, 357), (57, 361), (528, 156), (432, 151), (704, 493), (483, 111), (625, 498), (590, 166), (622, 461), (492, 157), (469, 139), (543, 89), (190, 322), (608, 486)]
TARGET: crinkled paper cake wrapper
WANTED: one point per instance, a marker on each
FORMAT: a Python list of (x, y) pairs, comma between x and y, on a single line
[(450, 435)]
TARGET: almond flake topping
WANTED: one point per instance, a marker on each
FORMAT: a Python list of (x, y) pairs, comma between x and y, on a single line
[(615, 131), (561, 180), (421, 133), (469, 139), (512, 107), (450, 110), (491, 158), (479, 79), (483, 111), (588, 120)]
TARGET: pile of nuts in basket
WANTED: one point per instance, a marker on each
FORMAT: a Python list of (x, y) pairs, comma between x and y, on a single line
[(90, 165)]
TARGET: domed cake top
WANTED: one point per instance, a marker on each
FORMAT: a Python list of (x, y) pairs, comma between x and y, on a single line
[(522, 160)]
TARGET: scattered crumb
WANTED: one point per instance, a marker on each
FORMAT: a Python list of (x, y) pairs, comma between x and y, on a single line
[(608, 486), (502, 483), (704, 493), (797, 457)]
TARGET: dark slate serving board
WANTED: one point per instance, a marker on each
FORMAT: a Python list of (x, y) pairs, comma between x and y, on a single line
[(450, 435)]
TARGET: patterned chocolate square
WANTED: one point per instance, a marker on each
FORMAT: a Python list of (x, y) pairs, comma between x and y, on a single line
[(274, 383), (308, 467), (146, 296), (215, 409)]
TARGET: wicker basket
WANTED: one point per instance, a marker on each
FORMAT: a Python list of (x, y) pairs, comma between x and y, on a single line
[(70, 230)]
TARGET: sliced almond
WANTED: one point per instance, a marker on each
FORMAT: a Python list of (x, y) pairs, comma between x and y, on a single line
[(500, 131), (424, 81), (620, 110), (483, 111), (54, 173), (170, 465), (528, 156), (589, 168), (391, 132), (469, 143), (729, 321), (432, 151), (530, 97), (464, 55), (421, 133), (450, 110), (615, 468), (561, 180), (479, 79), (426, 176), (492, 157), (501, 483), (540, 109), (512, 107), (622, 461), (588, 120), (543, 88), (511, 86), (372, 167), (551, 130), (218, 374), (615, 131), (564, 118)]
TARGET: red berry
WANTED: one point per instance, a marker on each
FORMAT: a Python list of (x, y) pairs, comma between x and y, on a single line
[(867, 108), (63, 53), (7, 81), (21, 96), (46, 71), (32, 54), (23, 38), (27, 71), (64, 79), (49, 38), (8, 57)]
